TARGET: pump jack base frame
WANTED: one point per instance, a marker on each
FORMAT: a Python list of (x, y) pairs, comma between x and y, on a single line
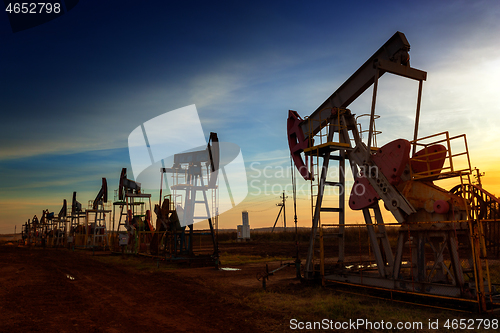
[(408, 297)]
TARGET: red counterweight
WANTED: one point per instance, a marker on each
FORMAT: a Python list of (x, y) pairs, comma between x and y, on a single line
[(429, 160), (391, 160)]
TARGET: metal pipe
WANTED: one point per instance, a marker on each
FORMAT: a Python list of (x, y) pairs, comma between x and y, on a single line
[(372, 114), (417, 117)]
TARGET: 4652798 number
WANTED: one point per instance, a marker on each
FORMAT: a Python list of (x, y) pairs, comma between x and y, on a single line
[(471, 324), (33, 7)]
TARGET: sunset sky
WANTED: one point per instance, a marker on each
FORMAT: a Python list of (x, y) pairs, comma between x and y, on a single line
[(73, 89)]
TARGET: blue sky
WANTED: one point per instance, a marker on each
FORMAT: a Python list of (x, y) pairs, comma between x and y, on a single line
[(74, 88)]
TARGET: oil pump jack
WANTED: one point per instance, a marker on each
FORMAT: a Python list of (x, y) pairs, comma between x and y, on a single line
[(60, 226), (441, 244), (48, 231), (98, 226), (88, 226), (189, 179), (102, 195), (77, 219), (131, 201)]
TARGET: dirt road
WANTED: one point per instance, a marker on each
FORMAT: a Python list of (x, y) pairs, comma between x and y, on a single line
[(57, 290)]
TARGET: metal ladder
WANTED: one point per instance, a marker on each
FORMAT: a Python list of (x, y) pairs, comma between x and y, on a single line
[(472, 197), (325, 150), (100, 234)]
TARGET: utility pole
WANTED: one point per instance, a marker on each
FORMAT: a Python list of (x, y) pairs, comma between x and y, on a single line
[(478, 176), (282, 209), (283, 198)]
